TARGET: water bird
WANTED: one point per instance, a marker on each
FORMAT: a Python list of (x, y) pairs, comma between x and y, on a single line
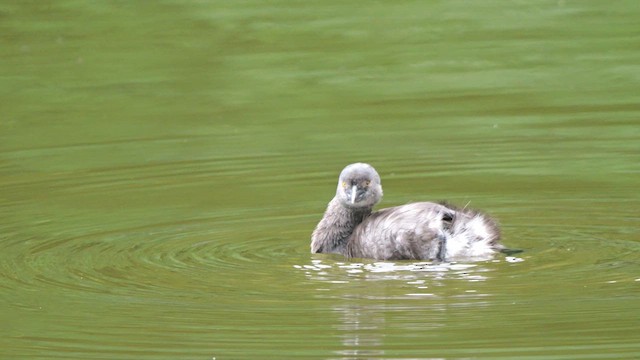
[(416, 231)]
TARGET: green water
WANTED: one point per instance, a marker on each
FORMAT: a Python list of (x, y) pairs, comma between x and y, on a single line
[(162, 165)]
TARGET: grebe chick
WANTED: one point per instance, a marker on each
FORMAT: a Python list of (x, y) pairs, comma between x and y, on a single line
[(416, 231)]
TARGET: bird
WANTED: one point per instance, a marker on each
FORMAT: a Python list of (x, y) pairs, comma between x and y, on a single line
[(415, 231)]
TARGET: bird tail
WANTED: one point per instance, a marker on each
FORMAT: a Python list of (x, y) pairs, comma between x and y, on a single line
[(472, 234)]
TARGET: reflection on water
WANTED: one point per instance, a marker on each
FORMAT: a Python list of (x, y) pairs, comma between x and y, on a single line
[(362, 311), (389, 271)]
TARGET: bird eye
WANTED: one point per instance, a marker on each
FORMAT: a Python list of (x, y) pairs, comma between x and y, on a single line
[(366, 183), (344, 184)]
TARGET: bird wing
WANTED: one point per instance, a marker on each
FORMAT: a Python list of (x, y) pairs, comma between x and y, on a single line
[(413, 231)]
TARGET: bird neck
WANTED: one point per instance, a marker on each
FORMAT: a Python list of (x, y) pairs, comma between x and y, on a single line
[(333, 231)]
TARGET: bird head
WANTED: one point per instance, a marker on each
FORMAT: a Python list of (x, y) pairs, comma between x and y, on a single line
[(359, 186)]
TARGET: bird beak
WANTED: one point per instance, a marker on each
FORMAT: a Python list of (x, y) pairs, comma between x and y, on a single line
[(354, 192)]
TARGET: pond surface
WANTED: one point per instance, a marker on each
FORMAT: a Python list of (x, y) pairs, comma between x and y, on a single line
[(162, 165)]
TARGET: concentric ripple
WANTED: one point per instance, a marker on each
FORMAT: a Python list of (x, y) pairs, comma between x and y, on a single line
[(179, 256)]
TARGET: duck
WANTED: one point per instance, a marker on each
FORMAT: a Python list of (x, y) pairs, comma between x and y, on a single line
[(433, 231)]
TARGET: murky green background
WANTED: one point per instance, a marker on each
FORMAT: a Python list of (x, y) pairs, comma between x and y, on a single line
[(162, 165)]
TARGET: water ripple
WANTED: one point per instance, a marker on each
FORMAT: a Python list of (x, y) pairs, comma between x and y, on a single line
[(171, 257)]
